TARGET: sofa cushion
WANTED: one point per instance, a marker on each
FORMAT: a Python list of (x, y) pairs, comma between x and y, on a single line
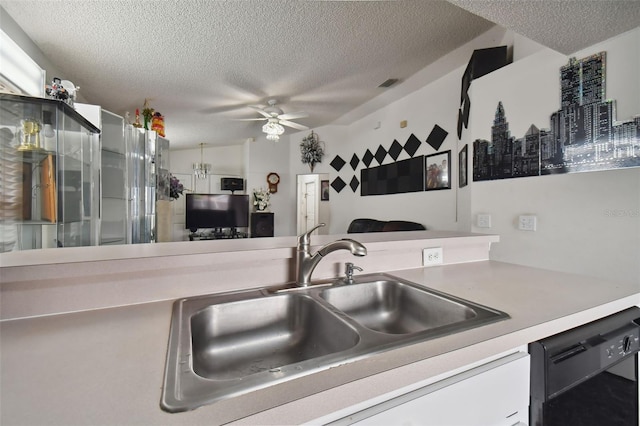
[(358, 226)]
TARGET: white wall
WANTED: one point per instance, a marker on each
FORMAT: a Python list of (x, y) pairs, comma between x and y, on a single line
[(431, 105), (263, 157), (13, 30), (587, 222)]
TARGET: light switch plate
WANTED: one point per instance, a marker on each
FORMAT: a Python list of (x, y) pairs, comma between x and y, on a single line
[(483, 221), (527, 222)]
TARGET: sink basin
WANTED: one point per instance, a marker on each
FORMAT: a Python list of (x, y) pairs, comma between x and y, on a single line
[(238, 339), (396, 308), (226, 345)]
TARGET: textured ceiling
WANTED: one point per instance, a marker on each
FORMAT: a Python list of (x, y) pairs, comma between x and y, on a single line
[(563, 25), (201, 62)]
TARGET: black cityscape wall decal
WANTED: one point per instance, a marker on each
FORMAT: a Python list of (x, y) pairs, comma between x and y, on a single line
[(583, 135)]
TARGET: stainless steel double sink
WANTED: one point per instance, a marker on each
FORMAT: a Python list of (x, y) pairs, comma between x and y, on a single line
[(225, 345)]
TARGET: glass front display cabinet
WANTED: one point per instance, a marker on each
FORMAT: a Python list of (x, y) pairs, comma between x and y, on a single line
[(49, 175)]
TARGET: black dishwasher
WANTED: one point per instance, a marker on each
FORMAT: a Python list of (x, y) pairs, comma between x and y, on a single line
[(587, 375)]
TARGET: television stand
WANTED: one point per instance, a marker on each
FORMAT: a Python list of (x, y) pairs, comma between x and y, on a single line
[(216, 234)]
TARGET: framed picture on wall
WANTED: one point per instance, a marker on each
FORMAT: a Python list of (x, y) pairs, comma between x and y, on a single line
[(462, 167), (324, 190), (437, 169)]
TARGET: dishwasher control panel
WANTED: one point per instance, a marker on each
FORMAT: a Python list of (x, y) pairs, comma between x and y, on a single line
[(619, 344)]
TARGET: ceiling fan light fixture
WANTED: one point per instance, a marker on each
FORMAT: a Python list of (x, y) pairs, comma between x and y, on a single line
[(272, 127), (273, 137), (201, 170)]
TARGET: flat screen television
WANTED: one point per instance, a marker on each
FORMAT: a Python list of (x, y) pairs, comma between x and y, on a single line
[(216, 211)]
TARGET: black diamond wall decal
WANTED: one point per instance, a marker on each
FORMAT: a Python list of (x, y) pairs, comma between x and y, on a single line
[(395, 150), (437, 137), (367, 158), (412, 145), (380, 154), (354, 161), (338, 184), (337, 163), (354, 184)]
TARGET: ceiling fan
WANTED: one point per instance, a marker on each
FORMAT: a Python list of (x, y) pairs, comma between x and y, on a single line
[(276, 118)]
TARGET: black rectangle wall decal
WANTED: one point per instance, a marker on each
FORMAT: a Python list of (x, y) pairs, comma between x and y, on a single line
[(395, 178)]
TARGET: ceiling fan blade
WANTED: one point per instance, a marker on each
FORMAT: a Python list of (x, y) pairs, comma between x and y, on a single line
[(294, 125), (293, 115), (222, 108), (257, 108)]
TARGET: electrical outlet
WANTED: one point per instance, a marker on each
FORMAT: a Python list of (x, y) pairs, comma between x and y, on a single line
[(527, 222), (483, 221), (432, 256)]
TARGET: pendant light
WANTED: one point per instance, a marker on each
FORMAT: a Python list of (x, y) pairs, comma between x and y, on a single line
[(201, 169)]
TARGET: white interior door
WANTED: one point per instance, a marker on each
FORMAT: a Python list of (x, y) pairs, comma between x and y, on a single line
[(307, 202), (311, 205)]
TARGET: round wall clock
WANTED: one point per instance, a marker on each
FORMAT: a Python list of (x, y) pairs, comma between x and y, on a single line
[(273, 179)]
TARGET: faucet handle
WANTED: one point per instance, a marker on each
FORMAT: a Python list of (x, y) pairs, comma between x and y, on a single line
[(348, 272), (305, 239)]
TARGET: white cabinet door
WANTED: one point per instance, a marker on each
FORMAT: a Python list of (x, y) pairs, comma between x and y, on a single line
[(496, 394)]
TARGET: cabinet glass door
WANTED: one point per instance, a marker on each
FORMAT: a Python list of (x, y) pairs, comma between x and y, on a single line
[(115, 185), (49, 162)]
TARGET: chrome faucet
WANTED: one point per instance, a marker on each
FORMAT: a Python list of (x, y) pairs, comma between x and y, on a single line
[(306, 262)]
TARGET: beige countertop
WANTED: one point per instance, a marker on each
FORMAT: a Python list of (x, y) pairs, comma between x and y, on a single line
[(106, 366)]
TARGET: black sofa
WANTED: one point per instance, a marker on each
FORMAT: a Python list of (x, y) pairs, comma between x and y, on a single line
[(358, 226)]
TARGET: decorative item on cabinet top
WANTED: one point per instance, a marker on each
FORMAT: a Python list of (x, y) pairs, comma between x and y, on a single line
[(62, 90), (147, 113), (157, 123)]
